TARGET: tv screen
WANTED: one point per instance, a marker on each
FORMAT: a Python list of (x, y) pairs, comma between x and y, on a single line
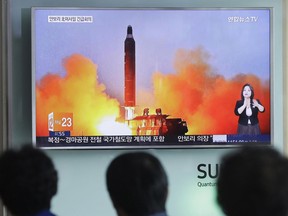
[(151, 78)]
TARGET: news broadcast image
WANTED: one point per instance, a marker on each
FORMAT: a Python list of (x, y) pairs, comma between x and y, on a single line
[(140, 77)]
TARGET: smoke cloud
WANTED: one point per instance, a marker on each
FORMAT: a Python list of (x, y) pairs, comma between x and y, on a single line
[(79, 92), (205, 99)]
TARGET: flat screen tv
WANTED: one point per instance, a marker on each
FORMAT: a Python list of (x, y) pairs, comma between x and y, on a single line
[(151, 78)]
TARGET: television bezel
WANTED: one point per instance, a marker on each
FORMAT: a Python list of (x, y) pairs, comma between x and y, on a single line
[(151, 145)]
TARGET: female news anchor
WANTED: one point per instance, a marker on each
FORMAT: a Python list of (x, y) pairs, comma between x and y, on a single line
[(247, 109)]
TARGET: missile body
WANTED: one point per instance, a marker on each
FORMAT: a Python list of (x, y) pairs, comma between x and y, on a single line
[(129, 86)]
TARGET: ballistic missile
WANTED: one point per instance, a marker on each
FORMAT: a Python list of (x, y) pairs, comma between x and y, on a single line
[(129, 86)]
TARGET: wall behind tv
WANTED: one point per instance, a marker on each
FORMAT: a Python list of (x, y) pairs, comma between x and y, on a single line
[(82, 188)]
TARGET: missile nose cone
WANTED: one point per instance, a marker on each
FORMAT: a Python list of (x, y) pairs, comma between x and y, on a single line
[(129, 29)]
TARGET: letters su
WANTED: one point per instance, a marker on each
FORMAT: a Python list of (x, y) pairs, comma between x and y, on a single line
[(208, 170)]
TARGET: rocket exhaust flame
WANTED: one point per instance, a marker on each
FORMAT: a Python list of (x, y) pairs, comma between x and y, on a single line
[(108, 126)]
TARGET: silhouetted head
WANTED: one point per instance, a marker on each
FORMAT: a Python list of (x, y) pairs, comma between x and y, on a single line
[(28, 180), (253, 181), (137, 184)]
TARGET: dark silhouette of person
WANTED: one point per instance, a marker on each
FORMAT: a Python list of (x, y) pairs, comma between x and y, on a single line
[(28, 181), (137, 184), (253, 181), (247, 109)]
